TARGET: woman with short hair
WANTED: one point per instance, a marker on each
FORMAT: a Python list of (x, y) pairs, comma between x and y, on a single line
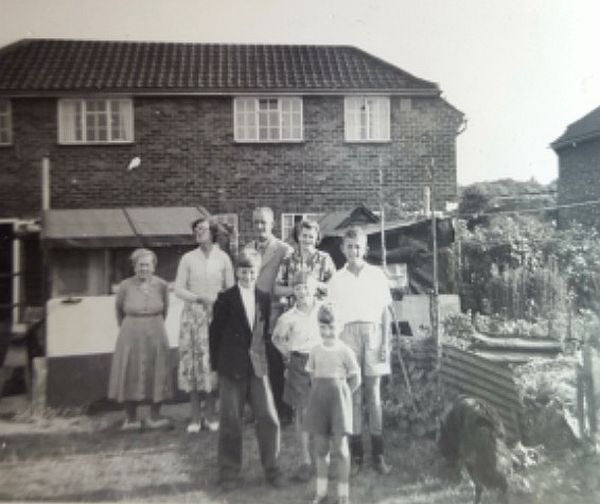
[(141, 369), (306, 258)]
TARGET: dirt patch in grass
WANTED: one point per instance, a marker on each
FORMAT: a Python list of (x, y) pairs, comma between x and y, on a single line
[(94, 462)]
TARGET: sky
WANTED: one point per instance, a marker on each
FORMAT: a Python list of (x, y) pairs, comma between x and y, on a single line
[(520, 70)]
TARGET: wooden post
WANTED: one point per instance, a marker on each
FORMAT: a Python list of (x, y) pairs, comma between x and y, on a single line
[(38, 394)]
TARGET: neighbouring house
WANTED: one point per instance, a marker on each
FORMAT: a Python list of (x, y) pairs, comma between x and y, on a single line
[(101, 139), (578, 151)]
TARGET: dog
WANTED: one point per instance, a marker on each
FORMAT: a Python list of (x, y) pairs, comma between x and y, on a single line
[(472, 436)]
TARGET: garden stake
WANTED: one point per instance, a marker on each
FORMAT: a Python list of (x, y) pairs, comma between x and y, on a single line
[(402, 365)]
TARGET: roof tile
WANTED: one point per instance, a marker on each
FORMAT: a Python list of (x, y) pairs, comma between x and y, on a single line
[(586, 128), (49, 65)]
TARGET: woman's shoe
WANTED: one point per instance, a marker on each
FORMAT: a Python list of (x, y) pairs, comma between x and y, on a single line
[(193, 428), (131, 426), (209, 426), (158, 424)]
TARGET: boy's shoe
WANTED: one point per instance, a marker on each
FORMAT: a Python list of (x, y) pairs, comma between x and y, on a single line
[(320, 500), (193, 428), (380, 465), (131, 426), (158, 424), (355, 468), (303, 474)]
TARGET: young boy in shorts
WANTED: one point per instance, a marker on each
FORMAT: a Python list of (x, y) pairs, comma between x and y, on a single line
[(335, 376), (295, 334)]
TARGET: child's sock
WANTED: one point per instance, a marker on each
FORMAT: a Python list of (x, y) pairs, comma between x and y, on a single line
[(322, 487), (343, 490)]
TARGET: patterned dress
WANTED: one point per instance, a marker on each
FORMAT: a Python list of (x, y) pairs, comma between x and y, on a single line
[(319, 263), (205, 275), (141, 367)]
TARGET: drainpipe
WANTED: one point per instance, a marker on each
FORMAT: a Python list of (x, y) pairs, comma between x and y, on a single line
[(45, 183)]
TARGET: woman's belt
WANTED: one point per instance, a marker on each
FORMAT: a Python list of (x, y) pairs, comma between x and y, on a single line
[(143, 314)]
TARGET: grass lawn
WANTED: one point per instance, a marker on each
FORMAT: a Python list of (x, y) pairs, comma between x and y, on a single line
[(87, 459)]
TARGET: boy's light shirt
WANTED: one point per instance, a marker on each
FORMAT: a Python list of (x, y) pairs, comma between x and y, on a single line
[(249, 301), (362, 297), (297, 331), (335, 361)]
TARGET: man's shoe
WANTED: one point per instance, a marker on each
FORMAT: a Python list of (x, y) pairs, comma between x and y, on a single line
[(380, 465)]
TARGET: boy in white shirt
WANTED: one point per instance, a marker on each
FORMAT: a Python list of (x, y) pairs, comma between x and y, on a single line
[(295, 334), (361, 295)]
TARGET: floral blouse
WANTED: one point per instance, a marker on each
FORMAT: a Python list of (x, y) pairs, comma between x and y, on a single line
[(319, 264)]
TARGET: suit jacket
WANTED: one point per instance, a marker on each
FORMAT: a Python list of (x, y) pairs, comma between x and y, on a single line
[(274, 253), (230, 336), (271, 260)]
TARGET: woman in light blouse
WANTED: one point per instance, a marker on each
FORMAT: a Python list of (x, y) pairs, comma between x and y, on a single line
[(202, 273)]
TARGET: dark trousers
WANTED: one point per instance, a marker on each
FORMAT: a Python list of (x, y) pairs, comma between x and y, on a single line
[(277, 381), (233, 395)]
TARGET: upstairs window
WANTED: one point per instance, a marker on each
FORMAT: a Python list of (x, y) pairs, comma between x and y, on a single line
[(367, 119), (95, 121), (268, 119), (5, 122)]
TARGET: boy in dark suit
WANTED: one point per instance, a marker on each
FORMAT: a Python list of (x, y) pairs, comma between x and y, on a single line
[(238, 336)]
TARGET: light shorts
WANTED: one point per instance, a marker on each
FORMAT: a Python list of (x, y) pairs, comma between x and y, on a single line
[(364, 338)]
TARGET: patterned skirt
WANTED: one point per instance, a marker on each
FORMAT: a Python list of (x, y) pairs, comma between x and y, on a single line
[(194, 372), (141, 367)]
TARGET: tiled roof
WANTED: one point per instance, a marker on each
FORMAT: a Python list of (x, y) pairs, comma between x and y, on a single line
[(55, 65), (586, 128)]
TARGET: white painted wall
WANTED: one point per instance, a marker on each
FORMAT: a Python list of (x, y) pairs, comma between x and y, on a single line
[(90, 326)]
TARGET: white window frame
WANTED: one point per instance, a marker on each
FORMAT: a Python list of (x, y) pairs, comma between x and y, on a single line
[(6, 123), (283, 122), (290, 219), (360, 115), (81, 113)]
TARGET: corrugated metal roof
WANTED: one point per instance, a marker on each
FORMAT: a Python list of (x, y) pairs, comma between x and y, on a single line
[(586, 128), (57, 65)]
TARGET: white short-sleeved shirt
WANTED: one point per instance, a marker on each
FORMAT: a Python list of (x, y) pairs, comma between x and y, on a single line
[(362, 297), (297, 331), (336, 361)]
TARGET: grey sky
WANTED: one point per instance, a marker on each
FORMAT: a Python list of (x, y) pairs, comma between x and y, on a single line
[(520, 70)]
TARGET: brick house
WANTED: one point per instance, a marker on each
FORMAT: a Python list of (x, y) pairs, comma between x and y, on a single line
[(578, 151), (94, 128)]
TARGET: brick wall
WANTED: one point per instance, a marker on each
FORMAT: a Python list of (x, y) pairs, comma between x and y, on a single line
[(189, 158), (579, 169)]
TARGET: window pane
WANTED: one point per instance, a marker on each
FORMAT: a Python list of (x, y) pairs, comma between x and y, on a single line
[(70, 121)]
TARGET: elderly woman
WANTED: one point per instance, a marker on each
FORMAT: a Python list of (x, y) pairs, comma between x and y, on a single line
[(305, 258), (141, 370), (201, 275)]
